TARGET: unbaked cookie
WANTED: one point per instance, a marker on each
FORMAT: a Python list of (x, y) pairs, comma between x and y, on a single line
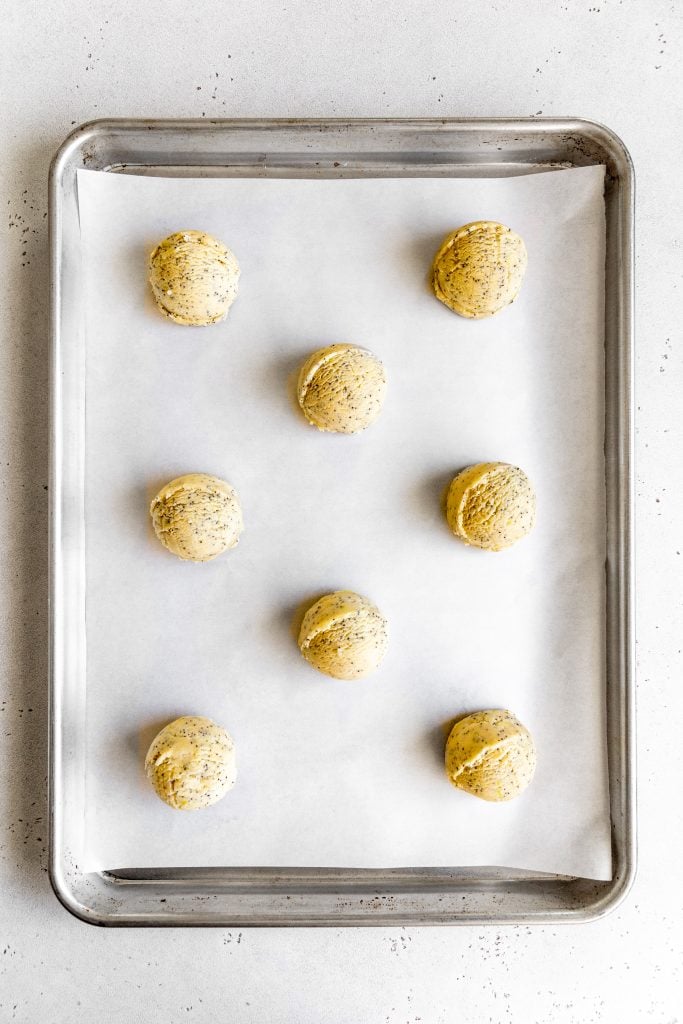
[(344, 635), (191, 763), (479, 269), (491, 505), (197, 517), (341, 388), (194, 278), (490, 754)]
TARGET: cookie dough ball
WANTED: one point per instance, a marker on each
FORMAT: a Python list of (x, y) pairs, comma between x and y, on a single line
[(194, 278), (197, 517), (479, 269), (344, 635), (341, 388), (491, 505), (191, 763), (491, 755)]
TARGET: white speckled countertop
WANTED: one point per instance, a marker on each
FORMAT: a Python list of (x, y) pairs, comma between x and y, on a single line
[(618, 62)]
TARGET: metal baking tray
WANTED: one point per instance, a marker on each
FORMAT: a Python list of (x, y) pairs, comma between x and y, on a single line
[(328, 149)]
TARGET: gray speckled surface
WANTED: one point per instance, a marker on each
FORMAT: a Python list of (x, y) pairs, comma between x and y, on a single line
[(618, 62)]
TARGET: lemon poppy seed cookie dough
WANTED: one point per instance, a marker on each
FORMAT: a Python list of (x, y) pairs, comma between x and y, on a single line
[(479, 269), (491, 505), (490, 754), (194, 278), (197, 517), (341, 388), (344, 635), (191, 763)]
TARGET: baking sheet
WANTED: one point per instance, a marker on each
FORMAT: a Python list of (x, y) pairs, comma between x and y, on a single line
[(335, 773)]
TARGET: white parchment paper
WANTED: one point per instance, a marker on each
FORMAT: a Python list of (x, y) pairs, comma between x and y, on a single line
[(341, 773)]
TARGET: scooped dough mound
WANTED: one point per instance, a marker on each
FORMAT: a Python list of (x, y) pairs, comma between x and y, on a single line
[(490, 754), (197, 517), (341, 388), (479, 269), (344, 635), (194, 278), (191, 763), (491, 505)]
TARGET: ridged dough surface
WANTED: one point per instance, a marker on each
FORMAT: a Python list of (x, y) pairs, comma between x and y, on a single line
[(479, 269), (191, 763), (194, 278), (344, 635), (197, 517), (490, 754), (341, 388), (491, 505)]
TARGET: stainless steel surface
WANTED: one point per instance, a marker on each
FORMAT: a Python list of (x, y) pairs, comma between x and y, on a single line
[(282, 896)]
